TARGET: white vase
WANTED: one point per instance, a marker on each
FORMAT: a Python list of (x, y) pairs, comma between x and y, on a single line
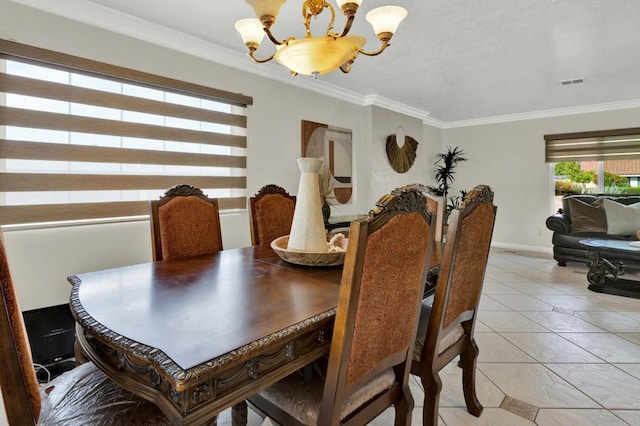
[(307, 229)]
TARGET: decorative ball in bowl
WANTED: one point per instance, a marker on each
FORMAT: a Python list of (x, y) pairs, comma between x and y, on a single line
[(312, 258)]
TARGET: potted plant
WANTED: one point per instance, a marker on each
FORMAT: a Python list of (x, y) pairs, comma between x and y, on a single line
[(445, 168)]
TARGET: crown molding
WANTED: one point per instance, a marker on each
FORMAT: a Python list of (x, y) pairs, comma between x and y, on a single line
[(556, 112), (392, 105)]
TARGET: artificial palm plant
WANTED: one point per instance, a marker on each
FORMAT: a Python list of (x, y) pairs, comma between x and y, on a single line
[(445, 168)]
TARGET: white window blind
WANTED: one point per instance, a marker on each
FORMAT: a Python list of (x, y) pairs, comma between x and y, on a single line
[(81, 139), (617, 144)]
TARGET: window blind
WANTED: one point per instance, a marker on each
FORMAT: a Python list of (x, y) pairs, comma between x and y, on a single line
[(618, 144), (81, 139)]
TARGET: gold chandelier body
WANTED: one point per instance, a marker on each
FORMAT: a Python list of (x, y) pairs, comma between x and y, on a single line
[(316, 55)]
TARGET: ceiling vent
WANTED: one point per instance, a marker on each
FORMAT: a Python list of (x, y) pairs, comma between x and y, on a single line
[(572, 81)]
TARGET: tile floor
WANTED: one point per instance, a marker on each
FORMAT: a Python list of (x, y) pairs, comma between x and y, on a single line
[(571, 355)]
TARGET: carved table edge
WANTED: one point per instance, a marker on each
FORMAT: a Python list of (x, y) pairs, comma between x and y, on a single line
[(170, 369)]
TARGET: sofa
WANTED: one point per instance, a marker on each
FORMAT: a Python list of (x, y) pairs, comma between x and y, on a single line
[(602, 216)]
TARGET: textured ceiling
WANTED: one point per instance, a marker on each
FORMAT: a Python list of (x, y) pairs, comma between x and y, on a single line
[(454, 59)]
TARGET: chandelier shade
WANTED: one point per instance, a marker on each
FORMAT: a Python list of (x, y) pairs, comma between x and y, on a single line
[(319, 55), (386, 19), (316, 55)]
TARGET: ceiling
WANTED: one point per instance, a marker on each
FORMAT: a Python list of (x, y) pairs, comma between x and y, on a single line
[(450, 60)]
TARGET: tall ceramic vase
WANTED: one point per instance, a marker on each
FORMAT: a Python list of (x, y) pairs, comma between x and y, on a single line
[(307, 230)]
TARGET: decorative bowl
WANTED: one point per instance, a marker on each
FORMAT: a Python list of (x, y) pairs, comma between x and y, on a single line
[(308, 258)]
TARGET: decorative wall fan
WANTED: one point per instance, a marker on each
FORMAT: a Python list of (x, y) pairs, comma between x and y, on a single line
[(401, 157)]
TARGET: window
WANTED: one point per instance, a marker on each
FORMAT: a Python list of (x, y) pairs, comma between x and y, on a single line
[(81, 139), (603, 161)]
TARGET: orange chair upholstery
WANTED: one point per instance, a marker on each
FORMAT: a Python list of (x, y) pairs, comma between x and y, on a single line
[(271, 210), (368, 366), (82, 396), (446, 326), (184, 223)]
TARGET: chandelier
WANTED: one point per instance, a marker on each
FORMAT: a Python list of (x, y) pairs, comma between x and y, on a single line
[(315, 55)]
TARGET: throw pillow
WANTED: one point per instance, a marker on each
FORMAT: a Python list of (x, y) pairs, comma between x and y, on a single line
[(622, 219), (587, 217)]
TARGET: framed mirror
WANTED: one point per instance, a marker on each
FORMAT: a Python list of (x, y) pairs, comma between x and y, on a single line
[(332, 145)]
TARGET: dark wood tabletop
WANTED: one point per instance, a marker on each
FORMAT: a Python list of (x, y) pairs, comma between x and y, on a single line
[(198, 335)]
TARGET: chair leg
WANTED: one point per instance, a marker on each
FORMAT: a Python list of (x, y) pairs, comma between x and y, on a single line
[(404, 408), (468, 359), (432, 387)]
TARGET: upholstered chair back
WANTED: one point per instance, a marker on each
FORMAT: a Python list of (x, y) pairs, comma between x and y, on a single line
[(382, 283), (184, 223), (271, 210), (446, 326)]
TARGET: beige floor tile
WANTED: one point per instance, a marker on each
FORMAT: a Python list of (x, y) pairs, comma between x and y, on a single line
[(633, 369), (506, 277), (574, 289), (607, 346), (632, 417), (482, 328), (387, 417), (574, 303), (494, 287), (549, 347), (489, 417), (633, 315), (488, 303), (451, 394), (608, 385), (522, 302), (534, 288), (610, 302), (562, 322), (535, 385), (632, 337), (504, 321), (582, 417), (495, 348), (611, 321), (416, 390)]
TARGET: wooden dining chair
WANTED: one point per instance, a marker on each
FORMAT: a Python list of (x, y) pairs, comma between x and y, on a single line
[(184, 223), (435, 205), (271, 211), (374, 331), (446, 327), (82, 396)]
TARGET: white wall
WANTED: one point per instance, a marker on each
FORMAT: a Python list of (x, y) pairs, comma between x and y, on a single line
[(510, 158), (383, 177)]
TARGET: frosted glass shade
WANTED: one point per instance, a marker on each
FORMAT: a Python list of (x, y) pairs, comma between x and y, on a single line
[(318, 55), (250, 30), (386, 19), (266, 7)]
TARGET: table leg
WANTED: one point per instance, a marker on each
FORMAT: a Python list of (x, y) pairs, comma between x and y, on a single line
[(239, 414)]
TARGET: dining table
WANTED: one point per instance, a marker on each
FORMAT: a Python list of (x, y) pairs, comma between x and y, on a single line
[(198, 335)]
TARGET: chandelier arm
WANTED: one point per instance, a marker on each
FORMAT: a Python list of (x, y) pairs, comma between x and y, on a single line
[(385, 44), (272, 38), (259, 61), (333, 16), (347, 26)]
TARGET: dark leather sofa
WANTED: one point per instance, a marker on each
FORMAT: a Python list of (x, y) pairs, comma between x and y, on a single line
[(566, 245)]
